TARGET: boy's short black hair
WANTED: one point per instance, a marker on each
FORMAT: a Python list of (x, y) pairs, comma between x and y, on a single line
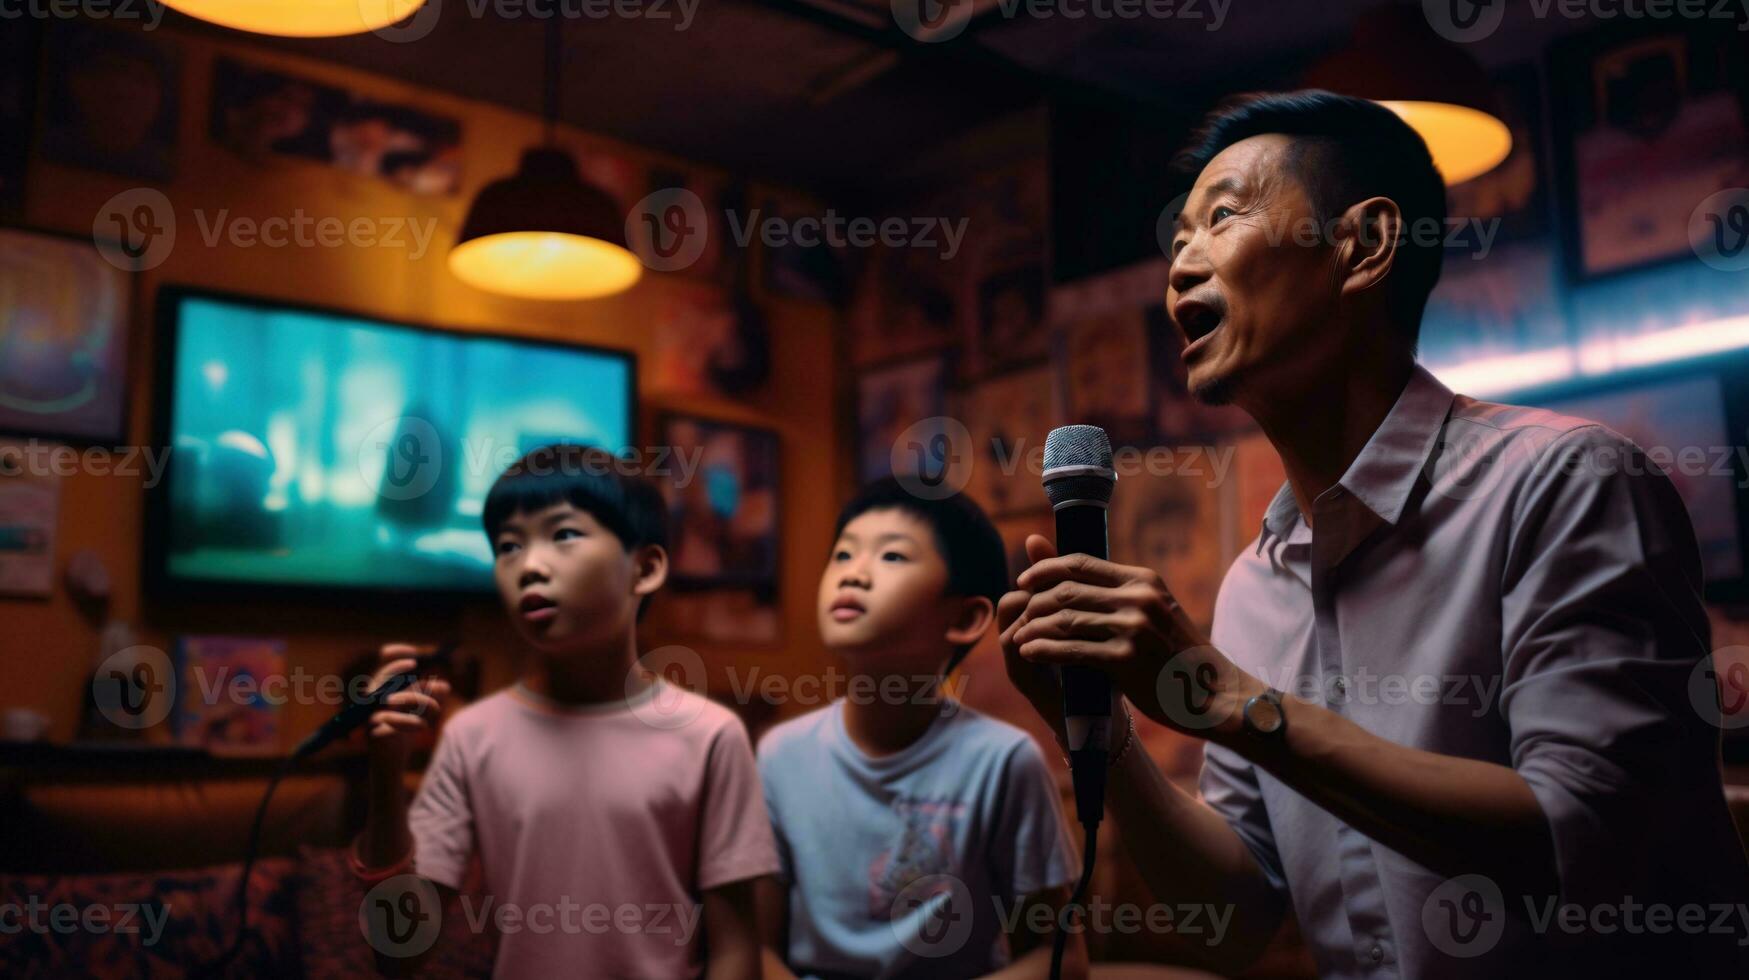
[(1345, 150), (977, 562), (588, 478)]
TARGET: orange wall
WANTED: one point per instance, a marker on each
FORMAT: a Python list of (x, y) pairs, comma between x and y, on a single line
[(46, 647)]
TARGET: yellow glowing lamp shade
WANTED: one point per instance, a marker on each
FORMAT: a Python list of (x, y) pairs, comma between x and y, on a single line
[(1397, 59), (1466, 143), (545, 265), (299, 18), (543, 233)]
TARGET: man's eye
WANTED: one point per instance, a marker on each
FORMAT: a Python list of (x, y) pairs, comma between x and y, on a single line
[(1221, 212), (560, 534)]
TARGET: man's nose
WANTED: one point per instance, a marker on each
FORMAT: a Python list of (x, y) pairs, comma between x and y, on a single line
[(1190, 268)]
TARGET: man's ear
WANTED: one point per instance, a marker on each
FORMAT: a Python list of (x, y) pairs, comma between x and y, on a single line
[(976, 613), (1372, 231), (649, 569)]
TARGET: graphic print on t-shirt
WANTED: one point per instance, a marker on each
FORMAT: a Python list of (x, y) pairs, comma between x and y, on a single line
[(924, 848)]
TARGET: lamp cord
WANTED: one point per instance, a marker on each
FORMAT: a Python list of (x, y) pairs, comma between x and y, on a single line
[(555, 56)]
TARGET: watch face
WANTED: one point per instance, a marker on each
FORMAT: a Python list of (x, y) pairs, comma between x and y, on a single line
[(1264, 714)]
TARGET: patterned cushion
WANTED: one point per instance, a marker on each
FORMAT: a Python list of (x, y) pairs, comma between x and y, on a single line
[(334, 945), (146, 924)]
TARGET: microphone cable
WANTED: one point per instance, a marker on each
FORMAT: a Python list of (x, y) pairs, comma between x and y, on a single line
[(1060, 942)]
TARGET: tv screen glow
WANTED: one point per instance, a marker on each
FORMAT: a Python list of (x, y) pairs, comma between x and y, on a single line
[(321, 449)]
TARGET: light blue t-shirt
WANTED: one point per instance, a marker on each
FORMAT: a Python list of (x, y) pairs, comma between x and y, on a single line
[(907, 864)]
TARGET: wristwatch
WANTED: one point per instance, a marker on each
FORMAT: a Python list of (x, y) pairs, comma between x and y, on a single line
[(1263, 714)]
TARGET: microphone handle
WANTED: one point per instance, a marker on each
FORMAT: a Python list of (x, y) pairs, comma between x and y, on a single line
[(355, 714), (1086, 691)]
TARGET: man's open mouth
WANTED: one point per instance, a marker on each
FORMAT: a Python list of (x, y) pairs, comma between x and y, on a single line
[(1197, 319)]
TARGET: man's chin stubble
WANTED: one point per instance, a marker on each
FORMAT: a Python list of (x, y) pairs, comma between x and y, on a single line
[(1216, 392)]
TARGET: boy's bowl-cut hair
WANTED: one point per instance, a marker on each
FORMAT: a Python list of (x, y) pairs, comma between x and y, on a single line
[(977, 561), (588, 478)]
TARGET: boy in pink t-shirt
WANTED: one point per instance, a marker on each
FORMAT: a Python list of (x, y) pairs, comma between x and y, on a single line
[(618, 819)]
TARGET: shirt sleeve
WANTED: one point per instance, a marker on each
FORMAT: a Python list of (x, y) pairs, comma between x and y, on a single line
[(1228, 785), (441, 820), (735, 841), (1602, 627), (1030, 850)]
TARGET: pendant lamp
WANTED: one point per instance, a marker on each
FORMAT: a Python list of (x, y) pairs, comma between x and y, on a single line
[(299, 18), (543, 233), (1396, 58)]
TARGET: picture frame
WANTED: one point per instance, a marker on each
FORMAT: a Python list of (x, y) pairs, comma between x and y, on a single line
[(258, 113), (1671, 102), (905, 305), (64, 322), (30, 509), (723, 503), (1011, 319), (1008, 418), (111, 101), (814, 273), (1175, 523), (890, 400), (1103, 360)]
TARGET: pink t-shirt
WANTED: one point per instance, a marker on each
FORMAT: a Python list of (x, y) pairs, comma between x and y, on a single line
[(598, 828)]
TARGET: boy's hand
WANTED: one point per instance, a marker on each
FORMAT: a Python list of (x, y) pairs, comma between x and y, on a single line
[(408, 711)]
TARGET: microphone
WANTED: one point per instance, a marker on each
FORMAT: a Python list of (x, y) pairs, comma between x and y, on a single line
[(1078, 479), (358, 712)]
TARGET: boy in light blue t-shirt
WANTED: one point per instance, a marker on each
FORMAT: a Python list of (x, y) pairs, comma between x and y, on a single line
[(917, 837)]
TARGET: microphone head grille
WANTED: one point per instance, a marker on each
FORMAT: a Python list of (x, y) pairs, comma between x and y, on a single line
[(1081, 457)]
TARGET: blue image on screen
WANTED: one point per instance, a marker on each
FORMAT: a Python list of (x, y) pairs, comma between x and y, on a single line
[(319, 449)]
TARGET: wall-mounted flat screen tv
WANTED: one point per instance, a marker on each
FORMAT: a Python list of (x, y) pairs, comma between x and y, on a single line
[(318, 450)]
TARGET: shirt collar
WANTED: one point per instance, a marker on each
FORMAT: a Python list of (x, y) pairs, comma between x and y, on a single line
[(1383, 475)]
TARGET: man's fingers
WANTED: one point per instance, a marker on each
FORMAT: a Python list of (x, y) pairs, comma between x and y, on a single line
[(1038, 548), (1071, 653), (1075, 624), (1074, 595), (1008, 608), (1076, 568)]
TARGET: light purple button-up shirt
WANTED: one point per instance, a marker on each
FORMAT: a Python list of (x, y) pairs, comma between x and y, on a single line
[(1516, 586)]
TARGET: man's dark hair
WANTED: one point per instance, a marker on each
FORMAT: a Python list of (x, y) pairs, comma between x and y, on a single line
[(977, 563), (1346, 150), (589, 479)]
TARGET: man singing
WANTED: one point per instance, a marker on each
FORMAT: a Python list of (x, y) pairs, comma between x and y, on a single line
[(1446, 701)]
